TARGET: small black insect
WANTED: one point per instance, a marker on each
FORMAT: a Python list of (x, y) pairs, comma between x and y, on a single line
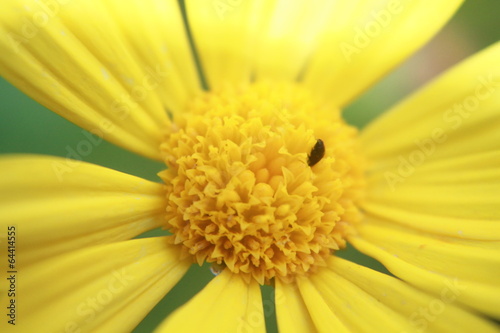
[(317, 153)]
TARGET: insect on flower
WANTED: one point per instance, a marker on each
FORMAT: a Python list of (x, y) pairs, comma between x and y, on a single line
[(317, 153)]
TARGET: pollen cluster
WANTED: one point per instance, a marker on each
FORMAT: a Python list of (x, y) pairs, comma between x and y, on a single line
[(240, 192)]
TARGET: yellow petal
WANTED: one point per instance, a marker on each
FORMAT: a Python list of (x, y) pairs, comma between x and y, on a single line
[(435, 158), (59, 205), (109, 288), (79, 59), (384, 301), (226, 304), (470, 268), (224, 33), (291, 312), (324, 317), (348, 297), (365, 39), (455, 197), (350, 304), (457, 110), (157, 37), (243, 40), (287, 37)]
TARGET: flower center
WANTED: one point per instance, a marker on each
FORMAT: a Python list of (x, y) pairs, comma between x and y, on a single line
[(261, 180)]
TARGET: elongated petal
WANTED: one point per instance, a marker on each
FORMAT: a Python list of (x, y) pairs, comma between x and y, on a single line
[(365, 39), (431, 262), (384, 302), (289, 33), (226, 304), (291, 312), (108, 288), (348, 304), (455, 197), (263, 40), (346, 297), (435, 158), (323, 315), (224, 34), (157, 37), (434, 185), (458, 109), (80, 59), (59, 205)]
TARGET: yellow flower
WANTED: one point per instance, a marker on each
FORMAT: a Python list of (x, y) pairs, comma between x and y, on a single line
[(264, 179)]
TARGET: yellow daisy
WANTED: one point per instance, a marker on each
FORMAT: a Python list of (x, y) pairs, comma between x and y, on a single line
[(263, 178)]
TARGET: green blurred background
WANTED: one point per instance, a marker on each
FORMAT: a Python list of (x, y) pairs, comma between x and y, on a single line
[(27, 127)]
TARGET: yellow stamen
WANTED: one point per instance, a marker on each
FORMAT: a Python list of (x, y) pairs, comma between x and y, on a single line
[(239, 188)]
